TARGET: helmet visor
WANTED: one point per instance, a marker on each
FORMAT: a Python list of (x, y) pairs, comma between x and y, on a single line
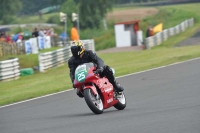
[(75, 51)]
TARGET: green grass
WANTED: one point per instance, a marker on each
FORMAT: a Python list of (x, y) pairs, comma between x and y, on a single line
[(173, 41), (34, 18), (171, 16), (150, 59), (34, 85), (30, 60), (57, 79)]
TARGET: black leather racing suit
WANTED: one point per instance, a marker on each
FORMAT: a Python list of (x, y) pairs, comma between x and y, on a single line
[(90, 56)]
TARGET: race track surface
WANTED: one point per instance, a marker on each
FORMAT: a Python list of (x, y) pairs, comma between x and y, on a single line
[(165, 100), (193, 40)]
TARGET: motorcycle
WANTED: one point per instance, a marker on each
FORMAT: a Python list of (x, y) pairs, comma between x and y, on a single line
[(98, 92)]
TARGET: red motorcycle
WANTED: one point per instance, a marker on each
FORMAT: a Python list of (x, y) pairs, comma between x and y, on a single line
[(98, 92)]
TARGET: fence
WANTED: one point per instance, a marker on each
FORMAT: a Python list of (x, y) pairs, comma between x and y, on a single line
[(165, 34), (28, 46), (9, 70), (59, 57), (11, 49)]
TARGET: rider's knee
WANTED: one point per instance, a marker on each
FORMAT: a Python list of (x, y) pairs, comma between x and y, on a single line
[(108, 70)]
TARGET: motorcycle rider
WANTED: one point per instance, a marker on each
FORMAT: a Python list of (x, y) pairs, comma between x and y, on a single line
[(80, 56)]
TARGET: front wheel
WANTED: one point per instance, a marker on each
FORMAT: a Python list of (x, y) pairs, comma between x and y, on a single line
[(95, 104), (122, 101)]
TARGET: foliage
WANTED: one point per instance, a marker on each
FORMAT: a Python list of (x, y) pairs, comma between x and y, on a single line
[(33, 6), (54, 19), (35, 18), (68, 8), (170, 17), (91, 17), (9, 8), (105, 41), (56, 2), (17, 30), (9, 20)]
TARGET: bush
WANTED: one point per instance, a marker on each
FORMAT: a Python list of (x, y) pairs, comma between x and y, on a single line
[(9, 20), (17, 30), (54, 19)]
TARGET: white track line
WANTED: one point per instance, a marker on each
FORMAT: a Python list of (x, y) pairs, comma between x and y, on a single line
[(158, 67), (116, 77), (34, 98)]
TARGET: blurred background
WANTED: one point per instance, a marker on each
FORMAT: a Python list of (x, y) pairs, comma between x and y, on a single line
[(96, 23)]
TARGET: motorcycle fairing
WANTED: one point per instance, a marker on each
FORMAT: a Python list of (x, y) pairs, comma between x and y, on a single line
[(107, 92), (92, 88), (89, 77)]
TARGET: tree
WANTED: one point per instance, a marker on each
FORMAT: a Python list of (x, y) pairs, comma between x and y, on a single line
[(9, 8), (33, 6), (56, 2), (91, 12), (69, 7)]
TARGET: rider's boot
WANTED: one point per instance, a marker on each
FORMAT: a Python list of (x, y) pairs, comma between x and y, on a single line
[(117, 86), (111, 78)]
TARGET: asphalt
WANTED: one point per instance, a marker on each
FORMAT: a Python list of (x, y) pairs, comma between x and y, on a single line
[(193, 40), (164, 100)]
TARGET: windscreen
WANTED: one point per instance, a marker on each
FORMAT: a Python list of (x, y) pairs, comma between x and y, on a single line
[(82, 71)]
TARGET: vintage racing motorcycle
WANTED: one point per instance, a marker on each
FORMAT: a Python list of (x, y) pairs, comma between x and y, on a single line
[(98, 92)]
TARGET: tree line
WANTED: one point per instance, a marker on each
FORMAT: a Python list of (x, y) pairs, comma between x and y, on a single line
[(91, 12)]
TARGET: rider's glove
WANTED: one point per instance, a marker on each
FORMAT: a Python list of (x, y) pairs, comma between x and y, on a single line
[(99, 70)]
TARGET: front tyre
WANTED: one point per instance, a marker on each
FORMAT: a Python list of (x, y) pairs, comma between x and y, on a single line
[(95, 104), (122, 101)]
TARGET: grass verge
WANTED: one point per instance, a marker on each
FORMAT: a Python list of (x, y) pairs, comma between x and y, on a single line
[(124, 63)]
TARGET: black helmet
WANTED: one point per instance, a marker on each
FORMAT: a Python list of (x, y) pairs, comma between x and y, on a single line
[(77, 48)]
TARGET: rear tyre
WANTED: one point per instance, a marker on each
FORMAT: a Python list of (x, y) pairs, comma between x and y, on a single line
[(122, 101), (96, 105)]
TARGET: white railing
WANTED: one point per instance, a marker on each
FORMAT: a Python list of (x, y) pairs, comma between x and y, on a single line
[(9, 70), (60, 57), (165, 34)]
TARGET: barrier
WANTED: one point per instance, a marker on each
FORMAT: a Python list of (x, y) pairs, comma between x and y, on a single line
[(9, 70), (165, 34), (30, 46), (59, 57)]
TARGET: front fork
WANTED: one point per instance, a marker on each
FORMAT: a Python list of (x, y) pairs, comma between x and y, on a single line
[(94, 90)]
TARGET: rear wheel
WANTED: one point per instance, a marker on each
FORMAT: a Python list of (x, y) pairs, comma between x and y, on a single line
[(93, 102), (122, 101)]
